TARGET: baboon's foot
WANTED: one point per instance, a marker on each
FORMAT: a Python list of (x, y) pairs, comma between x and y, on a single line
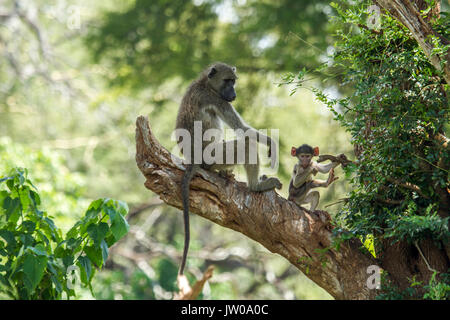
[(266, 184)]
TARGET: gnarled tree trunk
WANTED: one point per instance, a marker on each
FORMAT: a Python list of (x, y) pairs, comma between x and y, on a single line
[(278, 224)]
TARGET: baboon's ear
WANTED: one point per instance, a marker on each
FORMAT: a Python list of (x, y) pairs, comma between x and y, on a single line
[(234, 69), (293, 151), (212, 72), (316, 151)]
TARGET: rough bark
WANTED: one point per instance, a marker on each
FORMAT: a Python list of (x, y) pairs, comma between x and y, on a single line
[(276, 223), (407, 12), (404, 262)]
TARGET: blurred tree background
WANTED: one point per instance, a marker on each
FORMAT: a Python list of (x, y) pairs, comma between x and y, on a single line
[(74, 75)]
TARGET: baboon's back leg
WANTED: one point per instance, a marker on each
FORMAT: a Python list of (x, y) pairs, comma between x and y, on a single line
[(313, 198)]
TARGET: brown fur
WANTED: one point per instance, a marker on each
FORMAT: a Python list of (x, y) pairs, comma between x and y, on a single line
[(200, 94), (207, 100)]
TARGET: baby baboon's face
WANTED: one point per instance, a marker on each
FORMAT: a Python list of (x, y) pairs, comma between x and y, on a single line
[(305, 159)]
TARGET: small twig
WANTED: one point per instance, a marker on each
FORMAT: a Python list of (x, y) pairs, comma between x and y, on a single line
[(142, 207), (339, 201), (369, 29), (424, 259), (309, 44), (430, 163)]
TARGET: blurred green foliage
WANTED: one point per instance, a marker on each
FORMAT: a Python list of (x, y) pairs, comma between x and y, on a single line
[(150, 41), (61, 190), (36, 260)]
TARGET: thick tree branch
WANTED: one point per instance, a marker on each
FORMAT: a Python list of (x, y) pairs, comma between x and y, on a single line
[(407, 13), (278, 224)]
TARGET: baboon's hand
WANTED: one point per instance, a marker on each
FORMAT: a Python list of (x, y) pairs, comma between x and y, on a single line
[(331, 177), (342, 157)]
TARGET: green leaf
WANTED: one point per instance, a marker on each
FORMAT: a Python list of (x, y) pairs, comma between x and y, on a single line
[(68, 259), (33, 268), (9, 238), (74, 231), (95, 254), (51, 224), (95, 205), (60, 251), (28, 226), (104, 248), (119, 227), (39, 250), (16, 266), (12, 207), (3, 195), (26, 239), (74, 244), (24, 196), (20, 173), (86, 269), (51, 267), (110, 240), (123, 207), (57, 283), (31, 184), (98, 232), (35, 197), (42, 237), (90, 215), (10, 184)]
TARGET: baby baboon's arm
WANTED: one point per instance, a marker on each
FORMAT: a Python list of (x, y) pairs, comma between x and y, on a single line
[(301, 175)]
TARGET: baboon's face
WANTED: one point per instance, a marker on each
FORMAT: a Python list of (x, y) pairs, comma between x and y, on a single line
[(227, 91), (305, 159), (222, 79)]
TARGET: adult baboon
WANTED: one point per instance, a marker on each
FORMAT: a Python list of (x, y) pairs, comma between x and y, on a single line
[(207, 102)]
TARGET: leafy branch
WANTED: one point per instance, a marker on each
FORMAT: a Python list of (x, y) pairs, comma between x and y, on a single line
[(35, 258)]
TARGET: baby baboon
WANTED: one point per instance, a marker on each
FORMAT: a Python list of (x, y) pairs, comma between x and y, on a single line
[(302, 181), (207, 101)]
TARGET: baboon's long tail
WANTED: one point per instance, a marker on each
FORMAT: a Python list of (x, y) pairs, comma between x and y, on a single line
[(188, 174)]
